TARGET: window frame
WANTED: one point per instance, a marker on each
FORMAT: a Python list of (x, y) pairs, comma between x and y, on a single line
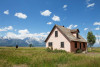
[(62, 44), (49, 44), (56, 33)]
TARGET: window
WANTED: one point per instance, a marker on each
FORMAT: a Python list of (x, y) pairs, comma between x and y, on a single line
[(80, 45), (62, 44), (84, 45), (50, 44), (56, 33), (75, 44)]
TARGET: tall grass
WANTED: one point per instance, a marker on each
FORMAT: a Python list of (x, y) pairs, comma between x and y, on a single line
[(40, 57)]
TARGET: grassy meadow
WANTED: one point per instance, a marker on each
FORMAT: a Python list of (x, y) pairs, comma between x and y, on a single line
[(39, 57)]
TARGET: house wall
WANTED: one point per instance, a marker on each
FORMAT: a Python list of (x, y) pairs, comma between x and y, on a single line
[(73, 49), (57, 41)]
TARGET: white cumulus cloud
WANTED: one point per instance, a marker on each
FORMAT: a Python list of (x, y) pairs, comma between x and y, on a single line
[(72, 26), (91, 5), (97, 36), (65, 7), (49, 23), (6, 12), (85, 28), (56, 18), (96, 23), (97, 39), (21, 15), (98, 28), (75, 25), (22, 34), (25, 31), (6, 28), (46, 13)]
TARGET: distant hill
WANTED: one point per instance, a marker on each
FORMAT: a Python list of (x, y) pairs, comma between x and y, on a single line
[(96, 45)]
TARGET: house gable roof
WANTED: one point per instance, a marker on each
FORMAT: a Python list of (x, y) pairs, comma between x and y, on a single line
[(67, 33)]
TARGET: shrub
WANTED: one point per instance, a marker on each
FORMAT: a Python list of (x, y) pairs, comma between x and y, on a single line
[(48, 49), (59, 51), (16, 46), (55, 51), (78, 51), (30, 45)]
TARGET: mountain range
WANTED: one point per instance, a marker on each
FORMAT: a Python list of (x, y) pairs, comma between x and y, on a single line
[(36, 42), (10, 42)]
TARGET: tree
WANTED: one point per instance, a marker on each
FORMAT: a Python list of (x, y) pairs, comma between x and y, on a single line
[(91, 39), (30, 45), (16, 46)]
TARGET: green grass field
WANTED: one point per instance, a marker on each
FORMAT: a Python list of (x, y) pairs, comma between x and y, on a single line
[(39, 57)]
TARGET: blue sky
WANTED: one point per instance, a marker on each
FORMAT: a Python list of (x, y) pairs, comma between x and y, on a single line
[(39, 16)]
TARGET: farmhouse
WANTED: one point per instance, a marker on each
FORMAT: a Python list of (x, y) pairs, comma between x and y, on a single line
[(62, 38)]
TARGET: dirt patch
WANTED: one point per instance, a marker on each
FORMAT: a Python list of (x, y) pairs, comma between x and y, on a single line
[(23, 65), (93, 54)]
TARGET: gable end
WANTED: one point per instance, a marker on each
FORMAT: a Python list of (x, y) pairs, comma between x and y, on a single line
[(60, 32)]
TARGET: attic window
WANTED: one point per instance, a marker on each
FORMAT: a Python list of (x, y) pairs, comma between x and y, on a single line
[(56, 33)]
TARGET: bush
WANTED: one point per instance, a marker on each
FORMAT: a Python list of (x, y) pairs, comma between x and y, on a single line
[(59, 51), (48, 49), (78, 51), (55, 51), (30, 45), (16, 46)]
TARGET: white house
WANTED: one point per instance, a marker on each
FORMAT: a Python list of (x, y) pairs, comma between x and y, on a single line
[(62, 38)]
